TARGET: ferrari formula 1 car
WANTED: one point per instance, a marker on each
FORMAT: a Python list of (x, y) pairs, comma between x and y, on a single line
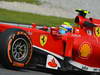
[(77, 50)]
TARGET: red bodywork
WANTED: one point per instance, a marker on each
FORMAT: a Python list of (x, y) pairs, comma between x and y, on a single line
[(82, 45)]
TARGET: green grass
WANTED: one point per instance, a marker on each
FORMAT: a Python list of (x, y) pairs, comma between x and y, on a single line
[(29, 18), (27, 1)]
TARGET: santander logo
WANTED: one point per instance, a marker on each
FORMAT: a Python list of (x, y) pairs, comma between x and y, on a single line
[(52, 63)]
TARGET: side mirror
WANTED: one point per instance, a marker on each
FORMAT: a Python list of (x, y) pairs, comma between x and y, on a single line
[(55, 33), (54, 30), (33, 25)]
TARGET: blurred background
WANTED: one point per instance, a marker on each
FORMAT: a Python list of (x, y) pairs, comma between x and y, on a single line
[(45, 12)]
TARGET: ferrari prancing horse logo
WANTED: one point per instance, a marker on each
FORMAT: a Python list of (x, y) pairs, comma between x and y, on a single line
[(97, 31), (43, 40)]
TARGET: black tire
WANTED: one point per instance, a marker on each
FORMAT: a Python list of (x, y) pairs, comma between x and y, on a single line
[(15, 48)]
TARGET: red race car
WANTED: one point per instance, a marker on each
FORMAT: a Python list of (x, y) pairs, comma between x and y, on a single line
[(23, 45)]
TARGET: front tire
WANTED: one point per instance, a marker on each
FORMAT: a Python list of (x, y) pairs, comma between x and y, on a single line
[(15, 48)]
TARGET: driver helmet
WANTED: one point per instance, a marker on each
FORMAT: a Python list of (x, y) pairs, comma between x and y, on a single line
[(65, 27)]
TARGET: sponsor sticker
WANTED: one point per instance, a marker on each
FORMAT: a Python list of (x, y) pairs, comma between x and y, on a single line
[(52, 62), (85, 50)]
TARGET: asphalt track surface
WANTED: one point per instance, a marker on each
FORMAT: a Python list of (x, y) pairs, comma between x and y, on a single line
[(34, 71)]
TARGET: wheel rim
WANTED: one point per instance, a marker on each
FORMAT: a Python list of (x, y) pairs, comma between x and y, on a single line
[(19, 49)]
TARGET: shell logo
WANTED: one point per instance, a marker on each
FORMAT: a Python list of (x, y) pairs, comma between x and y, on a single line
[(85, 50)]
